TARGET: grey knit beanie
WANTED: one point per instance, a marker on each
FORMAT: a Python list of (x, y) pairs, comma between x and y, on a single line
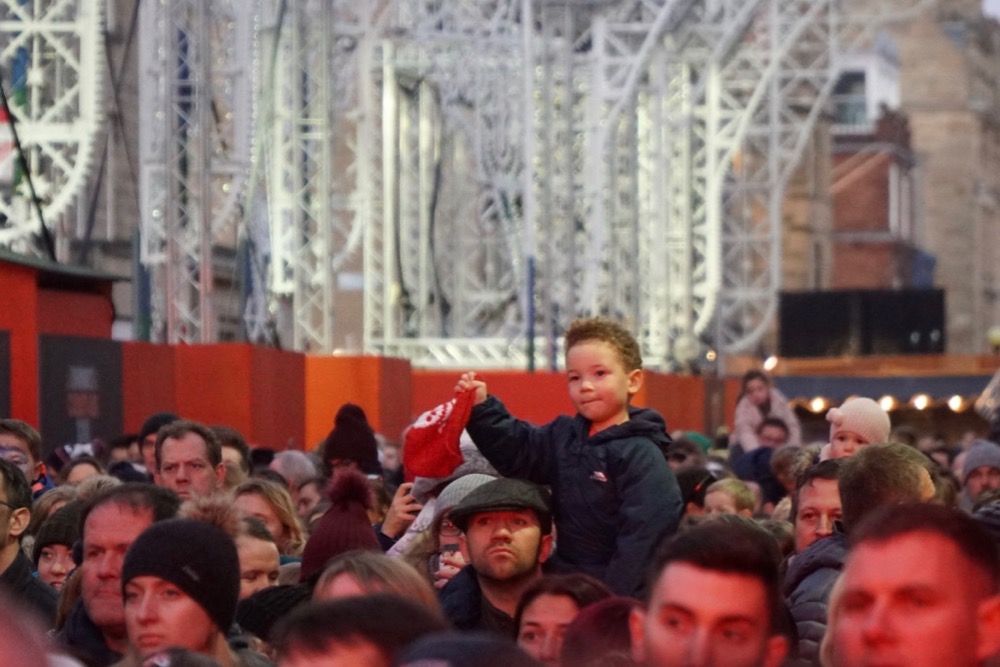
[(980, 453)]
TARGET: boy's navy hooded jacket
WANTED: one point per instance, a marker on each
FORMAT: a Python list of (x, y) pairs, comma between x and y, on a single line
[(614, 496)]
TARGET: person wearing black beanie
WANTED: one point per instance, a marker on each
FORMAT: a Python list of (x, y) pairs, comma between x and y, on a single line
[(351, 443), (181, 583)]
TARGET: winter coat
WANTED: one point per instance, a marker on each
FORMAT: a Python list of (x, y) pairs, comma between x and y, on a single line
[(614, 497), (808, 582), (84, 640), (462, 603), (27, 590)]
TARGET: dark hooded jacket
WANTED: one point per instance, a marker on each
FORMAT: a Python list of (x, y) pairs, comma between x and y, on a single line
[(614, 496), (463, 604), (84, 640), (808, 583)]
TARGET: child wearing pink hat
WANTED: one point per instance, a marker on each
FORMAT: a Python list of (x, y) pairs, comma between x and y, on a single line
[(858, 422)]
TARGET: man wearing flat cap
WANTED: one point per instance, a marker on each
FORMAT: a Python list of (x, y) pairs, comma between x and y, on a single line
[(506, 529)]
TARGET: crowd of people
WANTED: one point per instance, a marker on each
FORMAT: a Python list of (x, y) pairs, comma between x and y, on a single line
[(597, 539)]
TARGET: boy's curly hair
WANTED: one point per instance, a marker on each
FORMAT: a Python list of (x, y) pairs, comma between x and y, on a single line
[(608, 331)]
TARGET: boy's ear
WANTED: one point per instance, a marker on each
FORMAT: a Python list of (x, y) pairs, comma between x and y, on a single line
[(634, 381)]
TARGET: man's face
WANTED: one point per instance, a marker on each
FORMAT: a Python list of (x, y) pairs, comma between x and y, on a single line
[(819, 507), (771, 435), (13, 522), (983, 478), (109, 531), (705, 618), (16, 450), (185, 468), (158, 615), (913, 600), (505, 545), (259, 561), (599, 385)]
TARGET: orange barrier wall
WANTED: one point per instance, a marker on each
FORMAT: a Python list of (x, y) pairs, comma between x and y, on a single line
[(278, 412), (212, 385), (258, 391), (680, 399), (381, 386), (19, 316), (147, 382)]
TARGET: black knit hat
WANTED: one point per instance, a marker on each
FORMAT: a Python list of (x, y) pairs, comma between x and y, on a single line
[(352, 438), (62, 527), (154, 423), (258, 613), (504, 494), (195, 556)]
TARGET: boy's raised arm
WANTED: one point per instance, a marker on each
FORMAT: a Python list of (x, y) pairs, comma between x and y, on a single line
[(468, 381)]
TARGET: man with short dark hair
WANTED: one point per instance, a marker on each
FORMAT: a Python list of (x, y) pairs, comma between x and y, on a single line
[(506, 529), (816, 505), (110, 523), (15, 568), (772, 432), (876, 476), (921, 588), (713, 599), (189, 459)]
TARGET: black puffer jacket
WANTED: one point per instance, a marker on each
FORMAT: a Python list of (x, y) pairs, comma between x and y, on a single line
[(807, 587), (614, 497)]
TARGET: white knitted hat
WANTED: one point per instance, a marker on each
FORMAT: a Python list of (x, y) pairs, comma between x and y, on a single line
[(862, 416)]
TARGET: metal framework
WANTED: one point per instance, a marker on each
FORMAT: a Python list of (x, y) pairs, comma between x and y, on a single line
[(49, 56), (492, 168), (195, 98)]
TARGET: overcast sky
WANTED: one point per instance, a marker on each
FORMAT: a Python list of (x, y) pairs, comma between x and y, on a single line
[(992, 7)]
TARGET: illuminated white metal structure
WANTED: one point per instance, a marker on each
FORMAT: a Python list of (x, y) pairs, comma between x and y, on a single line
[(196, 83), (659, 136), (495, 167), (646, 149), (50, 52)]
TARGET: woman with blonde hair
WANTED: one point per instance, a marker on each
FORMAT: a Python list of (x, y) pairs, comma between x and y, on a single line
[(273, 505), (362, 572)]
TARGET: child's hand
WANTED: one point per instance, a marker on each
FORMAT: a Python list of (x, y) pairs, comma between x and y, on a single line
[(469, 381)]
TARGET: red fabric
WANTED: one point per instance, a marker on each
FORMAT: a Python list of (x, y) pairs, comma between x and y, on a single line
[(431, 447)]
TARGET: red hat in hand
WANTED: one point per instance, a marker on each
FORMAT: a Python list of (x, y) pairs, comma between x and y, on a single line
[(431, 446)]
